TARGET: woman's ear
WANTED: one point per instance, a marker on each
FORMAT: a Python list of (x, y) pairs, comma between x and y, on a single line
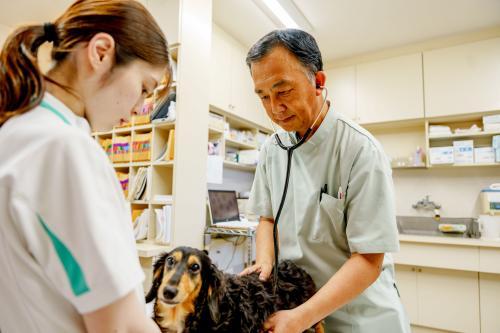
[(101, 51), (158, 269)]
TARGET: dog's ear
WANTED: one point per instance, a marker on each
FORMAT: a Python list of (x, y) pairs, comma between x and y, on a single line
[(215, 292), (206, 252), (157, 277)]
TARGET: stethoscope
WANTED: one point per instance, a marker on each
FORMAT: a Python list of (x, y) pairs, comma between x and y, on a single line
[(289, 150)]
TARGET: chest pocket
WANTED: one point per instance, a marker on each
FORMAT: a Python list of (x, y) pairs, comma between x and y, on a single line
[(329, 226)]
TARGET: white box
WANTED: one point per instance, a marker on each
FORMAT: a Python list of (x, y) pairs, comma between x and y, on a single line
[(484, 155), (493, 119), (441, 155), (463, 151)]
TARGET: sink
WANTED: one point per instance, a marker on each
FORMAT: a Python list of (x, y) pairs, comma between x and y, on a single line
[(428, 226)]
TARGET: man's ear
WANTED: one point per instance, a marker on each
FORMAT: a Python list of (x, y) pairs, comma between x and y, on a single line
[(101, 52), (320, 81)]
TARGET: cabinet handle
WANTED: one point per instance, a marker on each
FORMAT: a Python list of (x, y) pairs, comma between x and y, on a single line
[(413, 269), (420, 270)]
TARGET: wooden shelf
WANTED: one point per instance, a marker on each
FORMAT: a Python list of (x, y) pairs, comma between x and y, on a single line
[(463, 135), (139, 202), (164, 125), (409, 167), (239, 145), (121, 165), (163, 203), (146, 250), (212, 130), (140, 164), (124, 130), (143, 127), (164, 163), (238, 166), (475, 165)]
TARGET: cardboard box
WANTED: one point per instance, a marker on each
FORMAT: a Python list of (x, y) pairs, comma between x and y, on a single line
[(463, 151), (441, 155)]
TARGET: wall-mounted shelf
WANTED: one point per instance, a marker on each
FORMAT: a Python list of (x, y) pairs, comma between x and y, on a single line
[(239, 145), (239, 166), (463, 136), (147, 250)]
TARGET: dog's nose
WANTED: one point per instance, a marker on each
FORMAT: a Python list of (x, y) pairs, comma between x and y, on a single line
[(170, 292)]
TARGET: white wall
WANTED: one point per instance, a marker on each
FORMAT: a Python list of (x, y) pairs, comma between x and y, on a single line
[(4, 33), (456, 190)]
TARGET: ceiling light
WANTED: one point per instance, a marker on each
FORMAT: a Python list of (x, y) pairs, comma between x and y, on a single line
[(281, 14)]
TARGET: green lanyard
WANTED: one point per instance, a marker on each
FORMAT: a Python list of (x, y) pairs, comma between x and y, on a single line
[(49, 107)]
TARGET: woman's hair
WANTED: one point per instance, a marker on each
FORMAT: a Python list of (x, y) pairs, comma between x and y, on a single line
[(137, 37)]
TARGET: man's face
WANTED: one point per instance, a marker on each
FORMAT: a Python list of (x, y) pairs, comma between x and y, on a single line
[(286, 91)]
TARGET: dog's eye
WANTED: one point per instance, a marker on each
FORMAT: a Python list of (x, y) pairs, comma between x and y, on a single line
[(170, 261), (194, 268)]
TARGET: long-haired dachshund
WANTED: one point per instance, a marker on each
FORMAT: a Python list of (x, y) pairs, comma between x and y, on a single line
[(193, 296)]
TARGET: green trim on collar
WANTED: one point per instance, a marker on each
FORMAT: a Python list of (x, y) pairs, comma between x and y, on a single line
[(49, 107)]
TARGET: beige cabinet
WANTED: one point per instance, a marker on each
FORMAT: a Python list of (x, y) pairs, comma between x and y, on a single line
[(462, 79), (390, 90), (406, 278), (231, 85), (440, 298), (220, 71), (489, 286), (448, 299), (341, 85)]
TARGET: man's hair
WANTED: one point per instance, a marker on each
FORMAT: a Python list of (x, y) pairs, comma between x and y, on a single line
[(300, 43)]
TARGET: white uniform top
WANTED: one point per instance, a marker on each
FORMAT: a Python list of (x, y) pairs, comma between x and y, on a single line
[(320, 231), (66, 240)]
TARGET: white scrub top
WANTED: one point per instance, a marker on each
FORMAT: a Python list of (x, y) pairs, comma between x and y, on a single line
[(66, 240), (319, 232)]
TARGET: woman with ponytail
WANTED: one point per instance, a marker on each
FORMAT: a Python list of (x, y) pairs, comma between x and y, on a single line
[(68, 260)]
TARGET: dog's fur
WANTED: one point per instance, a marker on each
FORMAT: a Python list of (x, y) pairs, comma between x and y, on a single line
[(193, 296)]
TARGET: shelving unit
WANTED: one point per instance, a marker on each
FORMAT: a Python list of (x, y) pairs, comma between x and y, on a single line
[(480, 139), (215, 132), (161, 180)]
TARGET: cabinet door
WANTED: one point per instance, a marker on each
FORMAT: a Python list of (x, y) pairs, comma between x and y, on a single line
[(462, 79), (489, 286), (341, 84), (220, 70), (241, 84), (406, 281), (390, 90), (448, 299)]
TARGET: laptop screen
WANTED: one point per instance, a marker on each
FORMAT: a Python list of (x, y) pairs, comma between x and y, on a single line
[(223, 206)]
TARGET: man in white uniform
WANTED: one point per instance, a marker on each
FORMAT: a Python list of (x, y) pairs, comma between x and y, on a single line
[(338, 220)]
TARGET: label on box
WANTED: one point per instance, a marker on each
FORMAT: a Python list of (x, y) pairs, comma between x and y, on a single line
[(484, 155), (441, 155), (463, 151)]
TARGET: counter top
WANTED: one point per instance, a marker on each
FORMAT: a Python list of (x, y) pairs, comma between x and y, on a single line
[(449, 241)]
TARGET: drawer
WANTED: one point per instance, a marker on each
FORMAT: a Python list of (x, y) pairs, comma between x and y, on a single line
[(457, 257)]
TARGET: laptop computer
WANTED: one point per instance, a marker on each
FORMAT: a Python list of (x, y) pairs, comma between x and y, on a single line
[(224, 212)]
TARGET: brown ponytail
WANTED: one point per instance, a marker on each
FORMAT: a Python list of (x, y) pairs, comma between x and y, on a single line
[(136, 34)]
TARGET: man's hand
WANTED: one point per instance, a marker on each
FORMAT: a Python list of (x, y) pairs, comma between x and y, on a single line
[(264, 269), (286, 321)]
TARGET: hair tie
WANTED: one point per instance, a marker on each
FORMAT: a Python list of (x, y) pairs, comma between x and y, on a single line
[(50, 32)]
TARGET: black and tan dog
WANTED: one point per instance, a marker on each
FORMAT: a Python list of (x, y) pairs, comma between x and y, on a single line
[(193, 296)]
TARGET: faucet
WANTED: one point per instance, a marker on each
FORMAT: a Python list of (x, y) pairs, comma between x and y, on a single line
[(425, 203)]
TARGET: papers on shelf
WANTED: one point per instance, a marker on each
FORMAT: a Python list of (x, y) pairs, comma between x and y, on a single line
[(163, 223), (141, 225), (140, 189)]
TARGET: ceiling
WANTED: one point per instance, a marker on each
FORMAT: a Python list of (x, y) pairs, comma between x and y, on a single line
[(345, 28)]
